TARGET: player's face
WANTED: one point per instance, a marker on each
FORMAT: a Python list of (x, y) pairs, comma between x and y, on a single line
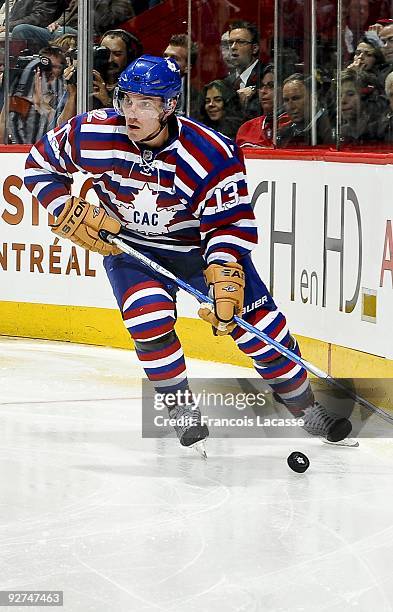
[(242, 50), (266, 93), (142, 114), (179, 54), (350, 101), (214, 104), (366, 56), (294, 96)]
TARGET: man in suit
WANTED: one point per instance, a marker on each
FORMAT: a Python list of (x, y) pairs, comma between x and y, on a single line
[(244, 54)]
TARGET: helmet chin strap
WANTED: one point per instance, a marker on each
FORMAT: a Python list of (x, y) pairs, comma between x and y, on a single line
[(163, 124)]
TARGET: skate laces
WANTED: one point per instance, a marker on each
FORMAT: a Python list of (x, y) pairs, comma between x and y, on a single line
[(185, 417), (317, 420), (188, 411)]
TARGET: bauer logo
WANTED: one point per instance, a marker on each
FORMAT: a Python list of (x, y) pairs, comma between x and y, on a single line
[(254, 305)]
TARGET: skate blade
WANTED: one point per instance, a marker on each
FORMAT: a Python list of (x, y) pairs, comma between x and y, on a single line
[(349, 442), (200, 448)]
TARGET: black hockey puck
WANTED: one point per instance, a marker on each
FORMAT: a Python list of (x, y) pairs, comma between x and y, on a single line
[(298, 462)]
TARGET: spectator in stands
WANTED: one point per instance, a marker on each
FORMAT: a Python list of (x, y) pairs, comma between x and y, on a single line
[(385, 125), (297, 104), (368, 54), (2, 15), (258, 132), (177, 49), (67, 42), (389, 90), (123, 48), (244, 53), (386, 38), (107, 14), (226, 54), (362, 107), (32, 13), (34, 98), (357, 16), (220, 108)]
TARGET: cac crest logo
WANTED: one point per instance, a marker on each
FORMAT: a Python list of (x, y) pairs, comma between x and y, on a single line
[(142, 215)]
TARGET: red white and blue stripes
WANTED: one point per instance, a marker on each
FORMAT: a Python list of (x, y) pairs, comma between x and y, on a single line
[(187, 198), (149, 314), (285, 377), (148, 311), (196, 184)]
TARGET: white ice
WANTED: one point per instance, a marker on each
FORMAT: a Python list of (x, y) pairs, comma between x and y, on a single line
[(124, 524)]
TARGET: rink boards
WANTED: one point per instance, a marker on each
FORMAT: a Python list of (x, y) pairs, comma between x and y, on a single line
[(326, 252)]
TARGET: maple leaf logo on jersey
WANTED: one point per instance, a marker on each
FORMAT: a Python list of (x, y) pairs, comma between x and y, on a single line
[(171, 65), (144, 216)]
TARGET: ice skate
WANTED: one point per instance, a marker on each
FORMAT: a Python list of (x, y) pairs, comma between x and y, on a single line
[(349, 442), (188, 427), (318, 422), (200, 448)]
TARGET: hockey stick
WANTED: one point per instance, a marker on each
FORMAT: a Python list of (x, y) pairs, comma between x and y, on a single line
[(123, 246)]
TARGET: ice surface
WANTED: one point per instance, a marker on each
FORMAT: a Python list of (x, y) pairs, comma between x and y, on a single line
[(124, 524)]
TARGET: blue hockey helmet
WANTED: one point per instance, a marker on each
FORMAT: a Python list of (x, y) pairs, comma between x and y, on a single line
[(150, 76)]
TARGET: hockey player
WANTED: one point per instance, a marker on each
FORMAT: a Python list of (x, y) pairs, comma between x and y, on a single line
[(177, 191)]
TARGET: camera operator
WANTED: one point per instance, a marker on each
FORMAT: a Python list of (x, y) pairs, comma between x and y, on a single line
[(117, 49), (36, 89)]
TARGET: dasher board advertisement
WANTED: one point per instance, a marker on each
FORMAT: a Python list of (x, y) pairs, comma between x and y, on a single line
[(325, 249)]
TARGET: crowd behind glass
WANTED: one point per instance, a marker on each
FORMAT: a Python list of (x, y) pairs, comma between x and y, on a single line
[(304, 104)]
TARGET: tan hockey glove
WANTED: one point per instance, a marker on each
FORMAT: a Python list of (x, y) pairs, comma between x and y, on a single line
[(226, 287), (80, 222)]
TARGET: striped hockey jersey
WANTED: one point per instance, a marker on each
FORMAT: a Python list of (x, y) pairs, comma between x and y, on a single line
[(191, 194)]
